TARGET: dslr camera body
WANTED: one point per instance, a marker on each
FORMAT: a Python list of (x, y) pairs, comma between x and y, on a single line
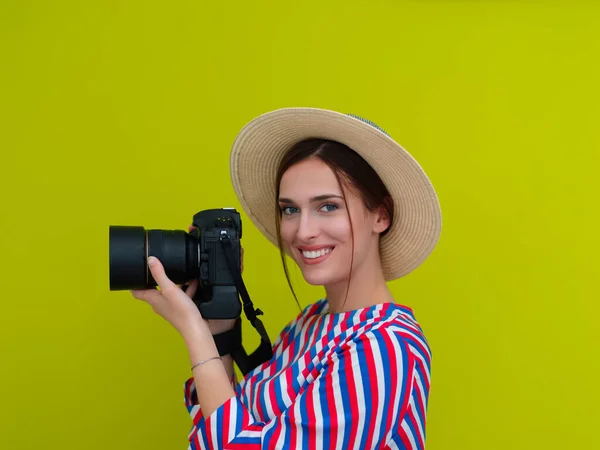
[(211, 253)]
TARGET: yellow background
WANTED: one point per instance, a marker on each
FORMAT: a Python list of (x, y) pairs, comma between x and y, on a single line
[(115, 112)]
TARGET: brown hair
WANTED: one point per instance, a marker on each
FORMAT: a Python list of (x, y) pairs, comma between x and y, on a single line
[(349, 167)]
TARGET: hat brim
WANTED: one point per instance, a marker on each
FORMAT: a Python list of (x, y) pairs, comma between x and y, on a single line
[(261, 144)]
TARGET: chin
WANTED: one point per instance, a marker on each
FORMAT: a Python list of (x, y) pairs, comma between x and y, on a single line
[(318, 277)]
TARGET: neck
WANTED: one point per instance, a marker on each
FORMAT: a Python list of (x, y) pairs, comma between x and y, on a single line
[(367, 288)]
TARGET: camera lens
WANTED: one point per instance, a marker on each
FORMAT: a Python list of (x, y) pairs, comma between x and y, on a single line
[(130, 247)]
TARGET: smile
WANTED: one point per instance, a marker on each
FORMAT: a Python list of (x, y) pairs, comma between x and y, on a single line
[(315, 256)]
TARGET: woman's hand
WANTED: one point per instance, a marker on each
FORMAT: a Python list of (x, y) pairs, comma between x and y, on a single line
[(220, 326), (172, 303)]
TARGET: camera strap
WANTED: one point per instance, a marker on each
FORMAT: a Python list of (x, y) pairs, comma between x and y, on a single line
[(264, 352)]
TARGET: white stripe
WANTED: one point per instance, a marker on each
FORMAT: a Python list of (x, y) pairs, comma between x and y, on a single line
[(215, 436), (248, 434), (406, 428), (201, 443), (283, 431)]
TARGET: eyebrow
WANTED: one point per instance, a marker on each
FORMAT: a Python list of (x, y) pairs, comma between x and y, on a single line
[(318, 198)]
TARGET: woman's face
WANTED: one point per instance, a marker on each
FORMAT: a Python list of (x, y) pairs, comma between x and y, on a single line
[(315, 228)]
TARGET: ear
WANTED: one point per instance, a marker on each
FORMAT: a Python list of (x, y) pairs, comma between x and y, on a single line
[(382, 220)]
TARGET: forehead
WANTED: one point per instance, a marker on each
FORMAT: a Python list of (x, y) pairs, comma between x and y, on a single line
[(307, 178)]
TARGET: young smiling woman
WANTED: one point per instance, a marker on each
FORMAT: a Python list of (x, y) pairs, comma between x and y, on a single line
[(353, 210)]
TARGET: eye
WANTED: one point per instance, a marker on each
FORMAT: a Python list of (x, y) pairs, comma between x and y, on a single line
[(329, 207), (287, 210)]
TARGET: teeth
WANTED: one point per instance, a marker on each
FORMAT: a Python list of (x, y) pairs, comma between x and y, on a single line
[(317, 253)]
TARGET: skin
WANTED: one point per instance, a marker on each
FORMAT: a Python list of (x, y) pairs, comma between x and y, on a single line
[(306, 222)]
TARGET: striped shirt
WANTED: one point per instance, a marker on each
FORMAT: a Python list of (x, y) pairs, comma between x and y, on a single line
[(353, 380)]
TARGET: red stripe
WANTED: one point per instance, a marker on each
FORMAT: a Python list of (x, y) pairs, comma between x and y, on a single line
[(292, 427), (226, 419), (363, 315), (309, 435), (208, 430), (404, 438)]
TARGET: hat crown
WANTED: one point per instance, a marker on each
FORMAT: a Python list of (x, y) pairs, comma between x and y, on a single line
[(368, 122)]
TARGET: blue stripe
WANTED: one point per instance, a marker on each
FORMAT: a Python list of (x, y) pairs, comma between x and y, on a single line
[(202, 433), (239, 416)]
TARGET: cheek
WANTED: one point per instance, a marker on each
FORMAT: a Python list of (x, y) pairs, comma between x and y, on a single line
[(338, 228), (287, 230), (343, 232)]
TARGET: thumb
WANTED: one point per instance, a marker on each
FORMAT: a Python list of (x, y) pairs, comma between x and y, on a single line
[(159, 275)]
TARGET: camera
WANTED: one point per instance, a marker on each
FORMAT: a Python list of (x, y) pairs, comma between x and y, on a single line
[(211, 253)]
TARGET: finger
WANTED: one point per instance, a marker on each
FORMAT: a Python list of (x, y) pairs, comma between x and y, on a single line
[(150, 296), (191, 289), (158, 273)]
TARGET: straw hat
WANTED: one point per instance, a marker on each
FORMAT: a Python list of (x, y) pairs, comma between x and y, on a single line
[(260, 145)]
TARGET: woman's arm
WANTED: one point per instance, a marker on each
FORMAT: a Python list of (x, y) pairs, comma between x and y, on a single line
[(213, 378)]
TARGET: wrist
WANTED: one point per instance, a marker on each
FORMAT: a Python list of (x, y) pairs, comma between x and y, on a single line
[(197, 334)]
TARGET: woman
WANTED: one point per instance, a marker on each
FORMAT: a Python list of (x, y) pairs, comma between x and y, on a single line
[(353, 210)]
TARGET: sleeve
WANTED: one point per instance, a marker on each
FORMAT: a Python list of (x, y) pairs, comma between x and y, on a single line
[(357, 399)]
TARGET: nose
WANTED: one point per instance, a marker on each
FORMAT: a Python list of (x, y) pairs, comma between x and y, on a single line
[(308, 228)]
